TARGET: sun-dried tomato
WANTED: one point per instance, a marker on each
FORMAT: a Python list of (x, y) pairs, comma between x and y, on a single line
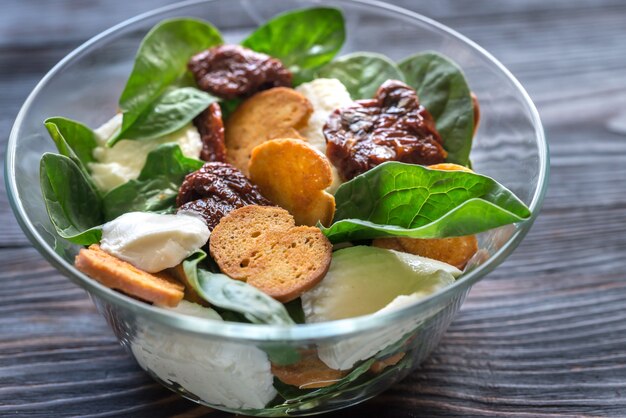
[(392, 126), (211, 128), (216, 189), (232, 71)]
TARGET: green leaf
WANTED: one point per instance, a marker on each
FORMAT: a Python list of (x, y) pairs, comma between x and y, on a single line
[(303, 40), (169, 113), (283, 355), (168, 160), (443, 90), (156, 188), (222, 291), (162, 59), (73, 139), (229, 106), (294, 308), (397, 199), (362, 73), (73, 205)]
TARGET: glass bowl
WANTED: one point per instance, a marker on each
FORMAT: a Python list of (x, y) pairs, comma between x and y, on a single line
[(224, 364)]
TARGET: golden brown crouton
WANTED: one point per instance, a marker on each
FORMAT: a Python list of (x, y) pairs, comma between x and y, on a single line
[(381, 365), (262, 246), (309, 373), (269, 114), (294, 175), (158, 288), (450, 167)]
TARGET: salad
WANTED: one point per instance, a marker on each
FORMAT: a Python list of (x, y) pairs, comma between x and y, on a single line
[(272, 182)]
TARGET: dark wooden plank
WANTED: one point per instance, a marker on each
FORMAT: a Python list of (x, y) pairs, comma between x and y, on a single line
[(543, 335)]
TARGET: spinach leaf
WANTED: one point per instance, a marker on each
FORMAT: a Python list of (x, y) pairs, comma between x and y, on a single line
[(294, 308), (156, 187), (224, 292), (303, 40), (397, 199), (169, 113), (443, 90), (161, 59), (73, 139), (73, 205), (362, 73), (229, 106), (282, 355)]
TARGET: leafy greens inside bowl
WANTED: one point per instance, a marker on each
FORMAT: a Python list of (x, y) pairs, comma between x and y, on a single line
[(402, 209)]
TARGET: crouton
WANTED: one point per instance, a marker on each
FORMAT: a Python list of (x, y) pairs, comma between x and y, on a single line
[(158, 288), (262, 246), (294, 175)]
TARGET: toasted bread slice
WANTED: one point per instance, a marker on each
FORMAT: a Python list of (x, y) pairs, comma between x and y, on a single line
[(450, 167), (388, 244), (294, 175), (269, 114), (455, 251), (262, 246), (158, 288), (381, 365), (309, 373)]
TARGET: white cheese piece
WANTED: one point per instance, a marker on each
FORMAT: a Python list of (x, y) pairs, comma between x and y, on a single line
[(400, 302), (151, 241), (343, 355), (124, 161), (374, 277), (220, 373), (381, 281), (193, 309), (325, 95)]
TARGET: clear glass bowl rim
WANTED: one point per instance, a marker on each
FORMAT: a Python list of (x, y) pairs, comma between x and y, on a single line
[(263, 333)]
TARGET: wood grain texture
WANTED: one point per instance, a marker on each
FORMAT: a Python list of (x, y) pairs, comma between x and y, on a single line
[(543, 336)]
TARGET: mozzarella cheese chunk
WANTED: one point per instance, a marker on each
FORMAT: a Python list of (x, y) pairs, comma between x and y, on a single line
[(381, 281), (122, 162), (153, 242), (343, 355), (219, 373), (193, 309), (325, 95), (374, 277)]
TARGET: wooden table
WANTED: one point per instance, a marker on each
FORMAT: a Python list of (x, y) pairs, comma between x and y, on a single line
[(544, 335)]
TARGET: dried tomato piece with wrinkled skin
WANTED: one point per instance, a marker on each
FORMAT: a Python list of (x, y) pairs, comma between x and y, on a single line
[(216, 189), (211, 210), (211, 128), (232, 71), (392, 126)]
